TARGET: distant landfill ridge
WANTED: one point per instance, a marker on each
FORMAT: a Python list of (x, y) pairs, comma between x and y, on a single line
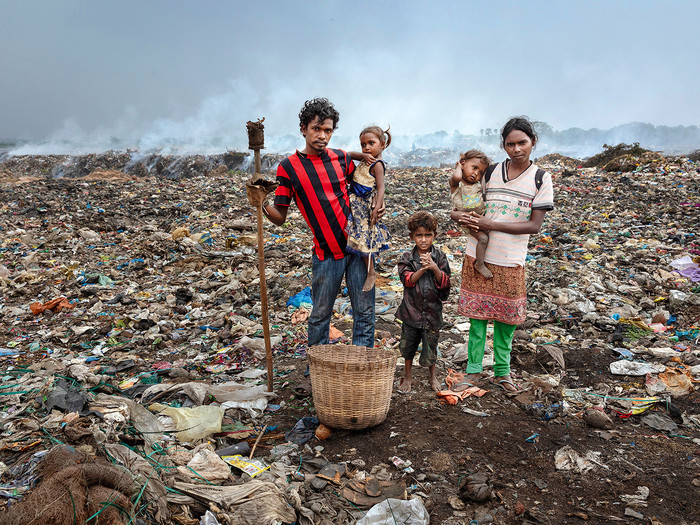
[(434, 149), (428, 150)]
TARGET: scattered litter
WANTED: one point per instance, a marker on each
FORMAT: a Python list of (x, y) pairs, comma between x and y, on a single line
[(191, 423), (411, 512), (566, 458), (473, 412), (112, 305), (635, 368), (252, 467), (402, 464), (659, 421), (639, 498), (543, 412)]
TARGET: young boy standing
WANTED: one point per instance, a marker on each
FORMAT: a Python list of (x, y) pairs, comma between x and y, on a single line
[(425, 274)]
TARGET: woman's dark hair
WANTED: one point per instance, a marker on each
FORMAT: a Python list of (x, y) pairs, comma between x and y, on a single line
[(422, 219), (521, 123), (318, 107)]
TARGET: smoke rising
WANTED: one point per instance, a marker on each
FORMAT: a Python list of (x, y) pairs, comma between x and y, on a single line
[(218, 125)]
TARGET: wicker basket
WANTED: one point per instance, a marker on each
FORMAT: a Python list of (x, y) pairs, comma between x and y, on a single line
[(351, 385)]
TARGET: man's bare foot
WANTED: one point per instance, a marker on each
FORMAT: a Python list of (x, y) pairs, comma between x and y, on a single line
[(483, 270), (369, 282), (434, 384), (405, 385)]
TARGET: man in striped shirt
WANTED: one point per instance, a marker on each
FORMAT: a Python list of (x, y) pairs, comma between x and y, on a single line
[(316, 178)]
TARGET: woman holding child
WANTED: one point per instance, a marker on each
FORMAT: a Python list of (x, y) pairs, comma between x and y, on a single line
[(518, 194)]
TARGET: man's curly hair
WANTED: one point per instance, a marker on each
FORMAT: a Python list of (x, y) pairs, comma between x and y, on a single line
[(318, 107)]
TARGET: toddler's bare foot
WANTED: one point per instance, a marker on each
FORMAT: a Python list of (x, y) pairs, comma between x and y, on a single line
[(483, 270), (434, 384), (369, 282), (405, 385)]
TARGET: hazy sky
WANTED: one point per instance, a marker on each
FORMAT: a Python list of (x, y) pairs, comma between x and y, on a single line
[(158, 71)]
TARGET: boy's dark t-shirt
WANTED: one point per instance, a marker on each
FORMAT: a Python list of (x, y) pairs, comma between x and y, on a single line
[(422, 302)]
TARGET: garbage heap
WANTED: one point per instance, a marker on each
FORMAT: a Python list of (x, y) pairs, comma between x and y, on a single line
[(131, 350)]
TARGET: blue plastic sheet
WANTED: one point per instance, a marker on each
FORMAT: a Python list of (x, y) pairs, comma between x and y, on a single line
[(303, 298)]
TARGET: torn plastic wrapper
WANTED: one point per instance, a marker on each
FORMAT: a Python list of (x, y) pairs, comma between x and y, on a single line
[(635, 368), (235, 395), (566, 458), (261, 499), (252, 467), (206, 464), (411, 512), (192, 423)]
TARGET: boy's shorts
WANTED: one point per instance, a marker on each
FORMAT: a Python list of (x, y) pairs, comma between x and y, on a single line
[(411, 337)]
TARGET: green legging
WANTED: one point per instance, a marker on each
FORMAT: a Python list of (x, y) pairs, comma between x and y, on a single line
[(502, 345)]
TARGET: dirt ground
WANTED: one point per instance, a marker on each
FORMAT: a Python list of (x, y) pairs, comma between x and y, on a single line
[(446, 444)]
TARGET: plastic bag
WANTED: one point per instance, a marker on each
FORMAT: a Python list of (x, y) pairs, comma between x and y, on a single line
[(411, 512), (192, 423), (303, 431), (257, 345), (303, 298), (208, 519), (236, 395), (635, 368), (683, 263), (144, 421), (208, 465)]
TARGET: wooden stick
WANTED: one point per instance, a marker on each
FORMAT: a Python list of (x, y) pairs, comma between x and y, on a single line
[(263, 299), (258, 164), (252, 450)]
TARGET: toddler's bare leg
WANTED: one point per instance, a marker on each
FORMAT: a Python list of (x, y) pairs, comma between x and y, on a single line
[(371, 274), (483, 242)]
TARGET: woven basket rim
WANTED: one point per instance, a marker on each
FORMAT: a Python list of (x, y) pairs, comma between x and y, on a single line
[(379, 352)]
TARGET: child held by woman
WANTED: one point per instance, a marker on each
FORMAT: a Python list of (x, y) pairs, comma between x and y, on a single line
[(467, 195)]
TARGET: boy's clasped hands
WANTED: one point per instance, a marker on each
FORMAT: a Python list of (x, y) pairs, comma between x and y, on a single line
[(427, 262)]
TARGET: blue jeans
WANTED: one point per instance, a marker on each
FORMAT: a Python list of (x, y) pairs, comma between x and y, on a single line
[(325, 285)]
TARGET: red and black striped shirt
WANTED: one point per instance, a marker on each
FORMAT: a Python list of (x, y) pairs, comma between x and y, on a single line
[(319, 186)]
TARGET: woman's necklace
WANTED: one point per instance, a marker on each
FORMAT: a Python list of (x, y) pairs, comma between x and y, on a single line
[(509, 164)]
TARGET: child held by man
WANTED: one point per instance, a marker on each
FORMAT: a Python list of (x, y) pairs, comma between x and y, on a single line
[(467, 194), (425, 275), (367, 234)]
